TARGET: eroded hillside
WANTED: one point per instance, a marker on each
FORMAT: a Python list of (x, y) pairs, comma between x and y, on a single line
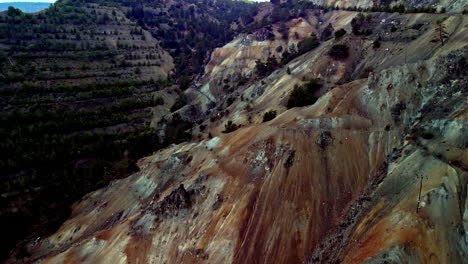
[(231, 89), (80, 84), (375, 170), (451, 5)]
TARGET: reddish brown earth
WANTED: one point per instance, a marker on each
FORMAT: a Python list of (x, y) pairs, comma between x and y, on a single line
[(374, 172), (275, 192)]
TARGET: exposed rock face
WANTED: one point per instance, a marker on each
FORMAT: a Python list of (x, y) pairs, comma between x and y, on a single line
[(410, 43), (341, 173), (374, 171), (416, 212), (236, 60)]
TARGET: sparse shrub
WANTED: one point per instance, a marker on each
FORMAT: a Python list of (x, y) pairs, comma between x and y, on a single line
[(284, 30), (324, 139), (264, 68), (376, 44), (327, 33), (427, 135), (417, 26), (178, 104), (365, 73), (185, 82), (270, 115), (340, 33), (158, 100), (304, 95), (423, 9), (230, 100), (339, 51), (362, 25), (397, 110), (308, 44), (230, 127)]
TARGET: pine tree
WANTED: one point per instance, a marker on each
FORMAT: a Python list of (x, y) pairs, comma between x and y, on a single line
[(440, 33)]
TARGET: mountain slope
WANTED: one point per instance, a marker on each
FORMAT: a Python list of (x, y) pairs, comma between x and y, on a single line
[(341, 173), (268, 191), (450, 5), (81, 84), (231, 88), (212, 201)]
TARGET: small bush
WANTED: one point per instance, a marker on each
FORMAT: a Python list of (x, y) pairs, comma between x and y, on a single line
[(308, 44), (185, 82), (339, 51), (264, 68), (327, 33), (362, 25), (427, 135), (178, 104), (417, 26), (365, 73), (230, 127), (270, 115), (397, 110), (340, 33), (158, 100), (376, 44), (303, 95)]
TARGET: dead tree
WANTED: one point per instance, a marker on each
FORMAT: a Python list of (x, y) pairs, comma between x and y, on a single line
[(420, 190)]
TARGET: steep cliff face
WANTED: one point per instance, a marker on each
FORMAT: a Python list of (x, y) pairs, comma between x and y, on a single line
[(374, 171)]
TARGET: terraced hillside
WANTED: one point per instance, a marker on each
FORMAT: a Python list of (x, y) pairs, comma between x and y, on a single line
[(78, 85), (188, 29), (82, 84)]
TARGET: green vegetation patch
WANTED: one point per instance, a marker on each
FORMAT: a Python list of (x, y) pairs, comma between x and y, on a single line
[(304, 95)]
